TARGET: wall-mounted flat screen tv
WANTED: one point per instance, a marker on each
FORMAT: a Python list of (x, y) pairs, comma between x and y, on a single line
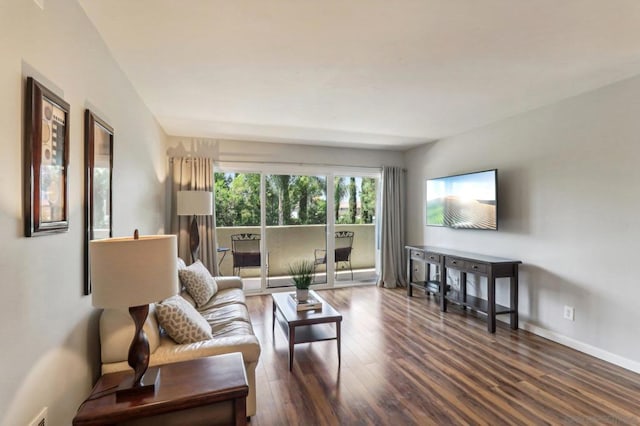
[(468, 201)]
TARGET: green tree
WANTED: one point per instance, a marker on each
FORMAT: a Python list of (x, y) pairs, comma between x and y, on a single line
[(368, 200), (353, 200), (339, 192), (302, 193), (279, 200), (237, 199)]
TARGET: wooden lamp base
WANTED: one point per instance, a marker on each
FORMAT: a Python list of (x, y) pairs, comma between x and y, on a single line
[(150, 380), (194, 239), (140, 384)]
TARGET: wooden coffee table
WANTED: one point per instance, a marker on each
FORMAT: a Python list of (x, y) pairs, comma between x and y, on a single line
[(305, 326), (183, 386)]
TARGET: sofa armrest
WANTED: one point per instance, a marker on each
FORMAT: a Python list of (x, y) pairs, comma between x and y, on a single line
[(228, 282)]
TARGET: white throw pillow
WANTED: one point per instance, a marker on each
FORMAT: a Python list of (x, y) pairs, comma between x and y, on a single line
[(197, 280), (181, 321), (181, 264)]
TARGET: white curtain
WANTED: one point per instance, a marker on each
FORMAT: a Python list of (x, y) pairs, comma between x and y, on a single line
[(193, 174), (392, 228)]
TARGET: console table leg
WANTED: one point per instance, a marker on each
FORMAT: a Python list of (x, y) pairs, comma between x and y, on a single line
[(491, 299), (514, 298), (443, 287), (463, 289), (409, 276)]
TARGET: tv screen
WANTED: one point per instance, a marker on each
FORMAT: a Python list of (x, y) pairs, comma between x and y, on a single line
[(467, 201)]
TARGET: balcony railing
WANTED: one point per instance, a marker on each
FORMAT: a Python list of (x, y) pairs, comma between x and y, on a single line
[(286, 244)]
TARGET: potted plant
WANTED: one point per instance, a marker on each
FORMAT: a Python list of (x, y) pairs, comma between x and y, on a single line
[(302, 274)]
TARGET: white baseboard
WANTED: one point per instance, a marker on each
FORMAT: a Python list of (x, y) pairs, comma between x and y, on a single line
[(582, 347)]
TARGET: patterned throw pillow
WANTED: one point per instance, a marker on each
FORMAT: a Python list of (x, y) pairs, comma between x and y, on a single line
[(198, 282), (181, 321)]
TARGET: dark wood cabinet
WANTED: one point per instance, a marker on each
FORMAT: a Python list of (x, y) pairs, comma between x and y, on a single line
[(465, 263)]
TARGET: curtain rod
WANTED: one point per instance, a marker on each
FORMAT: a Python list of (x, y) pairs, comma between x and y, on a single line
[(289, 163)]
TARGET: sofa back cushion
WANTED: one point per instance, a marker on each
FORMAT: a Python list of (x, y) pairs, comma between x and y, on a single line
[(116, 333)]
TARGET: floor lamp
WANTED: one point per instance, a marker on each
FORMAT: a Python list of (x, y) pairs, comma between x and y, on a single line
[(131, 273), (194, 203)]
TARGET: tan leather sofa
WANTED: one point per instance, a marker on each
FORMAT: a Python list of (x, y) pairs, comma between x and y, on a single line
[(231, 327)]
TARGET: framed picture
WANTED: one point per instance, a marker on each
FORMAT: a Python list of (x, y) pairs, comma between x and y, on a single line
[(46, 161), (98, 155)]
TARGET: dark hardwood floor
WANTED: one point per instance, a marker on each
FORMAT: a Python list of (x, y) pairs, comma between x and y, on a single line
[(404, 363)]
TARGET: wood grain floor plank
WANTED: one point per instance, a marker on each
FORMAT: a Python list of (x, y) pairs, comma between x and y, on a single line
[(406, 363)]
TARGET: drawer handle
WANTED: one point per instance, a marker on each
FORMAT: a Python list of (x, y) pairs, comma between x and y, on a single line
[(475, 266), (454, 262), (432, 257)]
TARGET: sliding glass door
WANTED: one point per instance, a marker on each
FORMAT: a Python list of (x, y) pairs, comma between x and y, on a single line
[(268, 219), (296, 220), (354, 216), (238, 226)]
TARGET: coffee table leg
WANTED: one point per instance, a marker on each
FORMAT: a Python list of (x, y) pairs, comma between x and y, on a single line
[(273, 320), (292, 340), (338, 339)]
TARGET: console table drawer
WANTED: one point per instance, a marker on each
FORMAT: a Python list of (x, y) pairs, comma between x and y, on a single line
[(454, 263), (476, 267), (426, 256), (465, 265), (417, 254), (432, 257)]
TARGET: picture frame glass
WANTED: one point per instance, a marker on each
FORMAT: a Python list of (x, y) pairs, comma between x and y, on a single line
[(52, 167), (101, 178), (98, 184)]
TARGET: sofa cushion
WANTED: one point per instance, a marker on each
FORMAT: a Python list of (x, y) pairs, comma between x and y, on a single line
[(181, 321), (225, 314), (223, 298), (232, 328), (169, 351), (197, 280)]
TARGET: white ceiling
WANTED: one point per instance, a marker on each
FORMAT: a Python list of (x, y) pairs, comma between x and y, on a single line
[(366, 73)]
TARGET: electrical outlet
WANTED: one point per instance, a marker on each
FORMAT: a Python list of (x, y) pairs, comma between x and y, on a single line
[(40, 419), (569, 313)]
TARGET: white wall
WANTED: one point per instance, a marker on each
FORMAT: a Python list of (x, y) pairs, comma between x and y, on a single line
[(48, 329), (568, 208)]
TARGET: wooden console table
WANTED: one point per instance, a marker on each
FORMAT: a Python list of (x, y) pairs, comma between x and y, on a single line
[(466, 263), (187, 385)]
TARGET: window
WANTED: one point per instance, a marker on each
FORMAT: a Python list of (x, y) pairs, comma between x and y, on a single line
[(293, 213)]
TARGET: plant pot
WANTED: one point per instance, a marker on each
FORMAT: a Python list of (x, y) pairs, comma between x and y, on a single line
[(302, 295)]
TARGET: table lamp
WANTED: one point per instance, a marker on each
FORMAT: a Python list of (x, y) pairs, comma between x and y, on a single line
[(195, 203), (131, 273)]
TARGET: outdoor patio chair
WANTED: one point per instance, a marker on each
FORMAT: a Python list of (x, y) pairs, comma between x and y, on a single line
[(245, 249), (344, 246)]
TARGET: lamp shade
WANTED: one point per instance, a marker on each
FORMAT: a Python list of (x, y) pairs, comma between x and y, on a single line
[(128, 272), (199, 203)]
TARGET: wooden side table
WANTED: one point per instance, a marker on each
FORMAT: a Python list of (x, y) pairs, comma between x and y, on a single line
[(183, 386)]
